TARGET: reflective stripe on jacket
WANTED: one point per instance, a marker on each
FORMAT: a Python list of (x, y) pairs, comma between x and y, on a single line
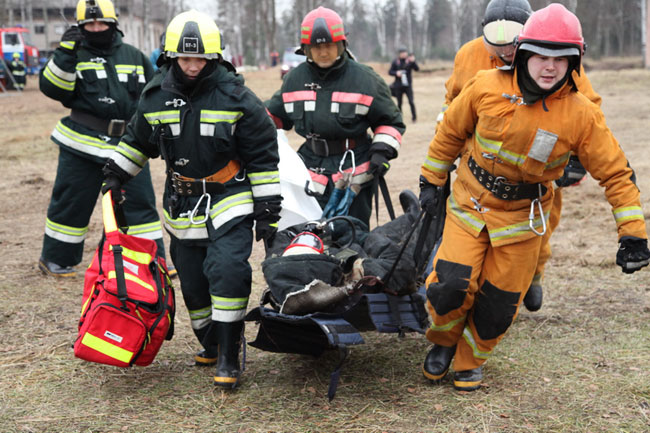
[(200, 134), (525, 143), (103, 83)]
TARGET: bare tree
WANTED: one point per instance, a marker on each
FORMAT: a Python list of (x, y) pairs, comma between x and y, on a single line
[(380, 29)]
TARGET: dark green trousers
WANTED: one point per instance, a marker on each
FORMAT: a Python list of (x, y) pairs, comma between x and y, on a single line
[(76, 188), (215, 275)]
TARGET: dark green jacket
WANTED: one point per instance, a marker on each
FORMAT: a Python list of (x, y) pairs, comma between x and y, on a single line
[(198, 135), (343, 101), (103, 83)]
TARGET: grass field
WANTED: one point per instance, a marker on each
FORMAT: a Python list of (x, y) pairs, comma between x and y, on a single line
[(580, 364)]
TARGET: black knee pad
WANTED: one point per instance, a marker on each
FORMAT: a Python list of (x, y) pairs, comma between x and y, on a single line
[(494, 310), (450, 290)]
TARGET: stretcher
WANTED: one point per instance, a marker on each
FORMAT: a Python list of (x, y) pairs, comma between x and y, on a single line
[(365, 308)]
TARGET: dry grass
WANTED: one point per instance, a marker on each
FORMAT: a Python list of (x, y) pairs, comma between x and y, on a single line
[(579, 365)]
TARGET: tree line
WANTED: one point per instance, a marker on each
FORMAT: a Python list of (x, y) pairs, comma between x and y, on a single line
[(376, 28)]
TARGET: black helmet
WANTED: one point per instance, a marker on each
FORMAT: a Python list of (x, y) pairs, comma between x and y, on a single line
[(508, 10), (502, 22)]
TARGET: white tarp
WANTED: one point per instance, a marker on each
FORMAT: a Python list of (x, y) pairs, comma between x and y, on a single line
[(297, 206)]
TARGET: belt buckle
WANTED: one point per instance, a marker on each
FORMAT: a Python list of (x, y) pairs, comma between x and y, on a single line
[(116, 127), (497, 182), (319, 146)]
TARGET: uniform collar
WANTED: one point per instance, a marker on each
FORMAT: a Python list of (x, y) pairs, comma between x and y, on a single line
[(333, 71)]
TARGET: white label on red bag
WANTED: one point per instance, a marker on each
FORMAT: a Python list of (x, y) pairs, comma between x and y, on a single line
[(131, 267), (114, 337)]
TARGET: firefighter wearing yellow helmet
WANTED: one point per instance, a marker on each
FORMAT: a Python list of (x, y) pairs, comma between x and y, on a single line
[(100, 10), (221, 152), (18, 71), (99, 77)]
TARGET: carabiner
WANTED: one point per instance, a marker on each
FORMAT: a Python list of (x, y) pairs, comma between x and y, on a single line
[(531, 215), (478, 207), (196, 208), (352, 160)]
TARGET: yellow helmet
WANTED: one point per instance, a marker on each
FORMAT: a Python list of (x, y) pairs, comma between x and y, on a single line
[(192, 34), (100, 10), (16, 55)]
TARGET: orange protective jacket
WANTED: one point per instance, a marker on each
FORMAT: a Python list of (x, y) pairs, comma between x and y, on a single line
[(473, 57), (525, 143)]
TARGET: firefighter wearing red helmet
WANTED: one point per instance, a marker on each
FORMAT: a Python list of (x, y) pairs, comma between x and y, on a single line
[(525, 122), (502, 22), (332, 100)]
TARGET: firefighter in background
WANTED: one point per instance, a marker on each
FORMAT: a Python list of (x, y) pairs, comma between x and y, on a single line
[(19, 71), (331, 100), (502, 22), (99, 78), (525, 122), (220, 148)]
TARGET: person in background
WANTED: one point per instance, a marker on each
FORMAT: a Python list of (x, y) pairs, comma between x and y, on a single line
[(221, 151), (502, 22), (525, 121), (402, 69), (331, 100), (99, 78), (19, 71)]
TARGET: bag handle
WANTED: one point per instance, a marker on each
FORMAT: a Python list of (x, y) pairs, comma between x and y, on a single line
[(111, 230)]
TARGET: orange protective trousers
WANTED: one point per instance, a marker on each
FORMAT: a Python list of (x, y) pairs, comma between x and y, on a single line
[(474, 291)]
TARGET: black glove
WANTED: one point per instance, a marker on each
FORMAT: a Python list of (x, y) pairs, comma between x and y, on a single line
[(72, 34), (113, 184), (379, 164), (633, 254), (430, 196), (267, 215), (574, 172)]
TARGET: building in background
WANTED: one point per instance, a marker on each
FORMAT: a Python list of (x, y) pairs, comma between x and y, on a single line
[(142, 21)]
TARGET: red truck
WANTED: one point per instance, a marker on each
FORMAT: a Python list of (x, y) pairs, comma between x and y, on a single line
[(17, 40)]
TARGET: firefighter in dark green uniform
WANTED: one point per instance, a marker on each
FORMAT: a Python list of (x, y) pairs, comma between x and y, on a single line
[(332, 100), (19, 71), (100, 79), (221, 152)]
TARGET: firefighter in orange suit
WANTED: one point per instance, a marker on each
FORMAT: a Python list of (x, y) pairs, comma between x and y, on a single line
[(502, 22), (525, 122)]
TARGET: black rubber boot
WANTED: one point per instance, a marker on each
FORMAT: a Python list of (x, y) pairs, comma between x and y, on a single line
[(54, 270), (208, 355), (436, 364), (409, 202), (228, 369), (468, 380), (533, 298)]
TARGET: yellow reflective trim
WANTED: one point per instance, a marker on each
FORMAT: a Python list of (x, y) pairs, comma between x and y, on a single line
[(133, 278), (490, 145), (85, 304), (58, 82), (110, 224), (448, 326), (106, 348), (67, 44), (136, 256)]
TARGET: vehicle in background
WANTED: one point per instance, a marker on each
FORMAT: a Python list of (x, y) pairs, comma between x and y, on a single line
[(290, 60), (18, 40)]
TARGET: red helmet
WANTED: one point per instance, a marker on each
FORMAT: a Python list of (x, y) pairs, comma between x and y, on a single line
[(320, 26), (553, 31)]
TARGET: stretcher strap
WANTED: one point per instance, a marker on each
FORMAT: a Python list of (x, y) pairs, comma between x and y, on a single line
[(336, 374), (380, 183)]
